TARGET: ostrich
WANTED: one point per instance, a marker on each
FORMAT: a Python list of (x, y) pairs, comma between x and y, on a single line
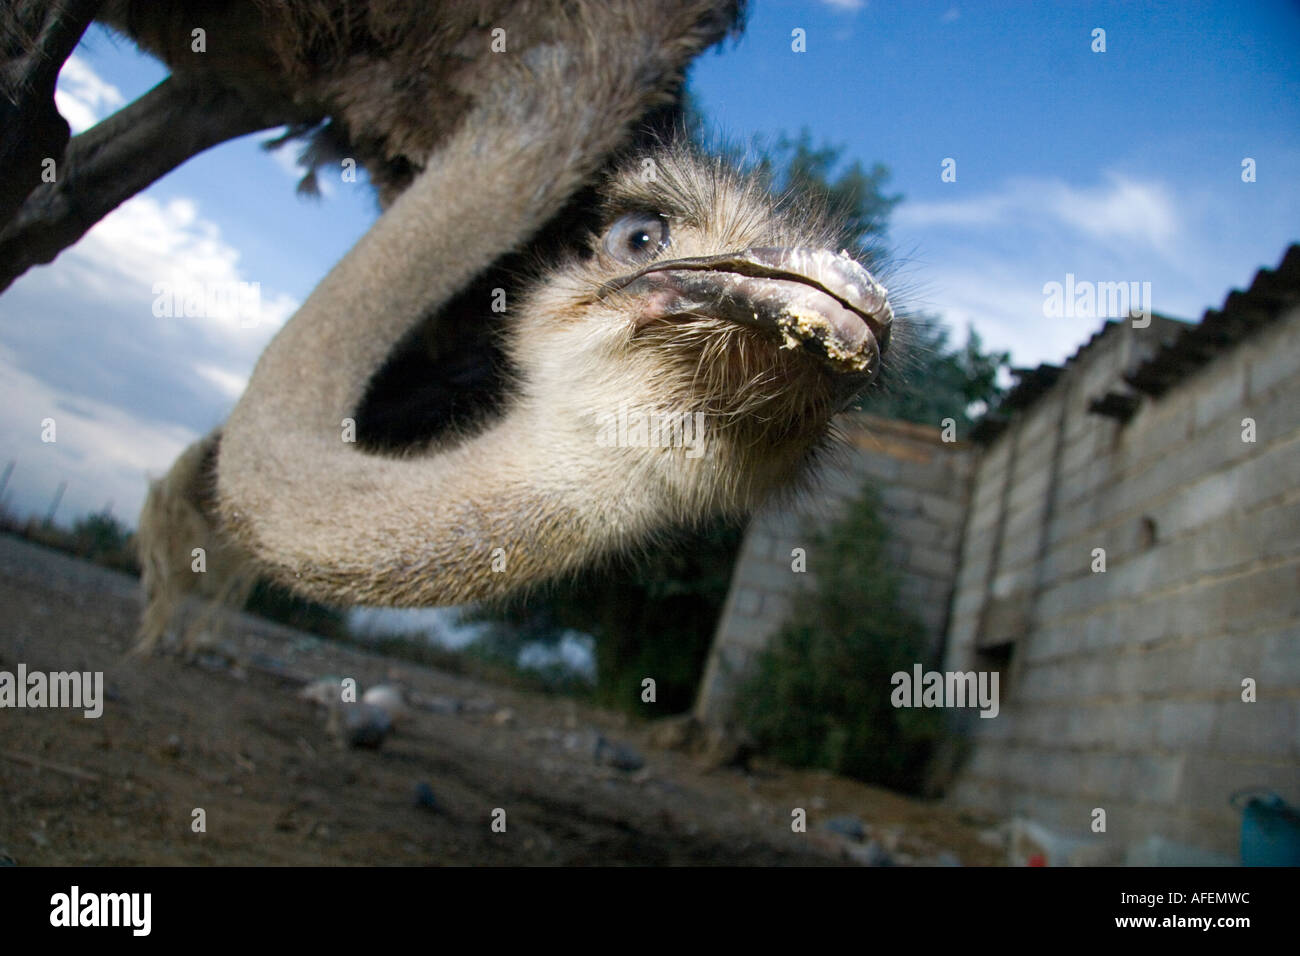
[(698, 298), (380, 82), (701, 296)]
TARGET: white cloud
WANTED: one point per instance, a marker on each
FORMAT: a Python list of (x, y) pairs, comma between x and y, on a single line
[(145, 243), (103, 452), (986, 258), (951, 14), (80, 342), (1121, 209), (231, 384), (82, 97), (845, 4)]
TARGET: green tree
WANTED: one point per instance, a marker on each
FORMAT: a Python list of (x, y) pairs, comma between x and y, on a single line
[(854, 193), (101, 538), (926, 380), (819, 695)]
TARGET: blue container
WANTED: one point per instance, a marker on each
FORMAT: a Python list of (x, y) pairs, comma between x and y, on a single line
[(1270, 829)]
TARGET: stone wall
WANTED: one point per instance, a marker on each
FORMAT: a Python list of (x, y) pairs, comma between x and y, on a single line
[(1122, 689), (922, 483)]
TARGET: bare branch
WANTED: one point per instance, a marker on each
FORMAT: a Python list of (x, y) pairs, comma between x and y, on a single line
[(111, 162), (36, 38)]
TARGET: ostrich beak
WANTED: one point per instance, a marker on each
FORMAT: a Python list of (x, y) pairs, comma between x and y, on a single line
[(809, 298)]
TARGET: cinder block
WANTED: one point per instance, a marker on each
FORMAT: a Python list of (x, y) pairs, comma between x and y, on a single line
[(931, 561), (916, 530), (777, 609), (1199, 495), (932, 618), (1136, 778), (1244, 602), (1159, 427), (1210, 780), (758, 545), (947, 510), (1263, 730), (1220, 391), (900, 500), (932, 477), (1049, 641), (777, 576), (1279, 665), (961, 640), (878, 467), (749, 602), (1029, 490), (1275, 358)]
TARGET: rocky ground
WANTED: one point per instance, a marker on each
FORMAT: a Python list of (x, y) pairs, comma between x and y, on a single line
[(228, 733)]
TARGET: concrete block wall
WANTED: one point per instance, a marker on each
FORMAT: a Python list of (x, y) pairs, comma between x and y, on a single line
[(1124, 688), (922, 483)]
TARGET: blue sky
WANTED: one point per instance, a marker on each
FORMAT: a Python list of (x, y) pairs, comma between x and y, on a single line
[(1115, 166)]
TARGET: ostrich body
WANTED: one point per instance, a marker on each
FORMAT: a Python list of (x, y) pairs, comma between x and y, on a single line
[(698, 296)]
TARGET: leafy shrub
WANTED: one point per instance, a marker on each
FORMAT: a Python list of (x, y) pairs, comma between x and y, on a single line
[(819, 695)]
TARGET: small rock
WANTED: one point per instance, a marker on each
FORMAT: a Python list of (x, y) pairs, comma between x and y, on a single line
[(326, 691), (848, 826), (436, 703), (389, 699), (682, 732), (478, 706), (424, 798), (504, 717), (617, 756), (266, 662), (172, 746), (724, 747), (212, 662), (868, 854), (359, 725)]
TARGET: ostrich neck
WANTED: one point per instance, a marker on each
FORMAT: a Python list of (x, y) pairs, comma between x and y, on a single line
[(521, 502), (340, 525)]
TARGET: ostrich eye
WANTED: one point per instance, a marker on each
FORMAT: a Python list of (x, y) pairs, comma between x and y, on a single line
[(636, 237)]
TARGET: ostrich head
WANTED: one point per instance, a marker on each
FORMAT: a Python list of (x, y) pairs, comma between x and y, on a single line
[(707, 305)]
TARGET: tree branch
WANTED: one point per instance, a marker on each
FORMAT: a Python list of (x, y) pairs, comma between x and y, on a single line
[(118, 157)]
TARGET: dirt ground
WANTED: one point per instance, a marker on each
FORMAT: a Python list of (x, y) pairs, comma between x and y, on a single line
[(229, 734)]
